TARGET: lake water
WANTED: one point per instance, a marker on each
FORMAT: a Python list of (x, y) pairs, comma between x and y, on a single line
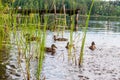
[(100, 64)]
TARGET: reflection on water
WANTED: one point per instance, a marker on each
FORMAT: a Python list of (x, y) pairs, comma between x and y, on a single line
[(103, 26)]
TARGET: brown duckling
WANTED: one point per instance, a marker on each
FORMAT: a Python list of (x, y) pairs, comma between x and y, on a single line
[(51, 49), (31, 38), (69, 46), (92, 47), (59, 39)]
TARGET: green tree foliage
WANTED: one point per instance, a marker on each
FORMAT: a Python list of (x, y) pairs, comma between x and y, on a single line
[(106, 8), (1, 6)]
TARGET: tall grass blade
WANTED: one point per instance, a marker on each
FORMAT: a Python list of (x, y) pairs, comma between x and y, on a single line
[(84, 36)]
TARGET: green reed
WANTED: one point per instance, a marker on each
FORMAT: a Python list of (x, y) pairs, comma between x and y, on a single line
[(71, 37), (1, 37), (84, 36), (41, 54)]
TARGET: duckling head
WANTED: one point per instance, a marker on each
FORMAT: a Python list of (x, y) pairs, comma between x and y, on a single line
[(92, 47), (54, 37), (93, 43), (67, 45), (53, 46)]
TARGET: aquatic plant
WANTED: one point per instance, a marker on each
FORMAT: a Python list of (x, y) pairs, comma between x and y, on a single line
[(1, 37), (41, 54), (84, 36)]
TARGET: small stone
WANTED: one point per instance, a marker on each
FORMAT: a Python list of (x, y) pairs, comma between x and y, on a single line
[(12, 66), (86, 78), (114, 79), (18, 70), (22, 61), (113, 75), (13, 72), (80, 76), (99, 73), (18, 75)]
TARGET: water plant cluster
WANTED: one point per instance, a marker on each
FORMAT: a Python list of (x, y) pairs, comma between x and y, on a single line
[(29, 36)]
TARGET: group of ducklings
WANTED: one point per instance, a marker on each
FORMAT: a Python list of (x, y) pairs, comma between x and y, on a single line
[(53, 47)]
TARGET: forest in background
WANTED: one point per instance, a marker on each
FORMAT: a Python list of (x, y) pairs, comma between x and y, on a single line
[(103, 8)]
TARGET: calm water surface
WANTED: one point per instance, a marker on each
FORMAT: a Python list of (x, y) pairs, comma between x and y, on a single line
[(101, 64)]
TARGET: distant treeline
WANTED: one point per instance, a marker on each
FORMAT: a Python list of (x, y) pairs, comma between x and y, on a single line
[(104, 8)]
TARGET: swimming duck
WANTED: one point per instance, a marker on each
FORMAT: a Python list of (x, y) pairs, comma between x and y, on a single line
[(51, 49), (92, 47), (69, 46), (59, 39)]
